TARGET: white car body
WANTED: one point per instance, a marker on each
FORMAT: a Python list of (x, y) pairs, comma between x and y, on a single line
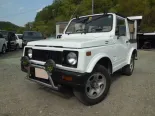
[(18, 40), (84, 60), (100, 44), (2, 43)]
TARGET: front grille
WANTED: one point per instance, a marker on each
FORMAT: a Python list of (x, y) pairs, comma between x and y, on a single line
[(44, 55)]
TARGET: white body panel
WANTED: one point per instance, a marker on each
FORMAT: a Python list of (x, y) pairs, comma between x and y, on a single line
[(105, 44), (2, 42), (19, 41)]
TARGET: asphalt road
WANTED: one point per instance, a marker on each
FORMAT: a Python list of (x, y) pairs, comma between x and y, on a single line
[(128, 96)]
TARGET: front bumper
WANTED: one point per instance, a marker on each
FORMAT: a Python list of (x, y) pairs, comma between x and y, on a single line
[(56, 78)]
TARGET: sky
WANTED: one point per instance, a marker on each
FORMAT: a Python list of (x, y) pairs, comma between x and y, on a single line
[(20, 12)]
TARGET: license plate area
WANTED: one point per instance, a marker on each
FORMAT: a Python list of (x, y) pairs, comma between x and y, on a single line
[(41, 73)]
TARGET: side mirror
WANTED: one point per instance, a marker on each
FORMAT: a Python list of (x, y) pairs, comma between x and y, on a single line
[(59, 36)]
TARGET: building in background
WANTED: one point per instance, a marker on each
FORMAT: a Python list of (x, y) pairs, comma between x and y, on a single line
[(144, 40)]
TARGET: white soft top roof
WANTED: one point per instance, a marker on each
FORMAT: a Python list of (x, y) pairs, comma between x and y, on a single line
[(93, 15), (135, 17)]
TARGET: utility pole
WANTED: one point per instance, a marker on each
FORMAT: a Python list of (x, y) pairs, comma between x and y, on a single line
[(92, 6)]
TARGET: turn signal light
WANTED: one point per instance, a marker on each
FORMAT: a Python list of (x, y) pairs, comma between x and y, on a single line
[(88, 53), (67, 78)]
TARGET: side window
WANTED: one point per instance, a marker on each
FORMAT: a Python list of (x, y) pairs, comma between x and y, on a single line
[(121, 27), (12, 37)]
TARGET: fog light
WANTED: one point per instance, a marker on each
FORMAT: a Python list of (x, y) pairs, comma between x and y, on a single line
[(49, 66), (25, 61)]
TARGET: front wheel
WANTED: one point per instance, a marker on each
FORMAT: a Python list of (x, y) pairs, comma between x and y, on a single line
[(3, 49), (16, 47), (128, 69), (96, 87)]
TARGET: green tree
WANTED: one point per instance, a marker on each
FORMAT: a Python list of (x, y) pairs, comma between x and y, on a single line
[(63, 10)]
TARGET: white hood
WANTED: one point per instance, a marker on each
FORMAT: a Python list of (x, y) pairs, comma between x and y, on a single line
[(72, 42)]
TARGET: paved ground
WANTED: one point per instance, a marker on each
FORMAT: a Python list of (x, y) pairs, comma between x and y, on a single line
[(129, 96)]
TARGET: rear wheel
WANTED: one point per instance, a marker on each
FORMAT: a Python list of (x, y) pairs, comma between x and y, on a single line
[(96, 87), (128, 69), (3, 49)]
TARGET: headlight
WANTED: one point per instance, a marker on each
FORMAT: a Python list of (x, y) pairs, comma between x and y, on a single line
[(72, 58), (29, 53)]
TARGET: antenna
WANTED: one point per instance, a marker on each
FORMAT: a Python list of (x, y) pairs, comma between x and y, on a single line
[(76, 9), (104, 8)]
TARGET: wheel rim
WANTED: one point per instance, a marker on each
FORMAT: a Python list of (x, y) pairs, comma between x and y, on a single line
[(95, 85), (131, 64)]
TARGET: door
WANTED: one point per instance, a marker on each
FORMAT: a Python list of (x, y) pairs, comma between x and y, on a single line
[(12, 41), (122, 40)]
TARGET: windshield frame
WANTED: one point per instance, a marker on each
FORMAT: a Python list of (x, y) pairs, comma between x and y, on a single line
[(99, 15), (19, 36)]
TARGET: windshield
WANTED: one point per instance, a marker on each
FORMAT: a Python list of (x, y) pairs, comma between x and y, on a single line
[(33, 35), (19, 36), (91, 24)]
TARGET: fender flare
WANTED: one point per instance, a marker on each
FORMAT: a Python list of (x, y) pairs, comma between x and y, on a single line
[(94, 61), (130, 54)]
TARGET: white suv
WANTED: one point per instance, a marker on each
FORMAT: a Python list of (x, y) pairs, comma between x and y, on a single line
[(90, 50), (3, 44)]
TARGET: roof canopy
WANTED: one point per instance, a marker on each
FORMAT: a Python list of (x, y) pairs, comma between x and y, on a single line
[(135, 17)]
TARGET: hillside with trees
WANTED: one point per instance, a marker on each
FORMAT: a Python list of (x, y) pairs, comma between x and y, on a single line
[(8, 26), (63, 10)]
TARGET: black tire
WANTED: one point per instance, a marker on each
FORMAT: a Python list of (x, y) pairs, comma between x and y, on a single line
[(3, 49), (128, 69), (82, 94), (16, 47)]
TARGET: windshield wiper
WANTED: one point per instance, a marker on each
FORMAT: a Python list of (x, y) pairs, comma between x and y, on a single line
[(81, 30), (68, 33)]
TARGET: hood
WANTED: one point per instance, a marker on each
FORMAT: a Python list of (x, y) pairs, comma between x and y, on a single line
[(78, 42)]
